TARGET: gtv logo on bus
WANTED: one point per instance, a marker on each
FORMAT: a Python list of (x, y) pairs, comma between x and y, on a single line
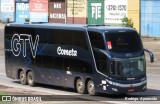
[(18, 42)]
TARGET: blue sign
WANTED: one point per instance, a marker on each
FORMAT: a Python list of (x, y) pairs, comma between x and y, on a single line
[(38, 17), (20, 1), (22, 12), (7, 16)]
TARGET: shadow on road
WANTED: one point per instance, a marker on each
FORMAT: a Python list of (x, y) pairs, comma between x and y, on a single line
[(50, 87)]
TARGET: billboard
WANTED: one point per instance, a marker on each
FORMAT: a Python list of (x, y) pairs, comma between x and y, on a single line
[(95, 11), (76, 11), (115, 10), (22, 1), (76, 8), (57, 11), (7, 10), (22, 12), (7, 6), (38, 10)]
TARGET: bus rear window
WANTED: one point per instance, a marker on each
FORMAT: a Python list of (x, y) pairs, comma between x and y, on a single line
[(123, 42)]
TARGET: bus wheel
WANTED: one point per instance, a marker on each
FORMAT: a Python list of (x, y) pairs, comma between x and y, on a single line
[(91, 88), (23, 78), (80, 87), (30, 79)]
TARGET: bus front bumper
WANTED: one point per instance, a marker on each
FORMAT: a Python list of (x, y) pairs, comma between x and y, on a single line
[(118, 88)]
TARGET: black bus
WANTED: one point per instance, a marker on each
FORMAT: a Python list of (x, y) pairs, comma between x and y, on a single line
[(90, 58)]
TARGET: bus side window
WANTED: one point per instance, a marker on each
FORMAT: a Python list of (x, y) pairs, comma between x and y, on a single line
[(43, 34), (101, 62), (19, 30), (79, 39), (60, 37), (66, 37), (97, 40), (8, 33), (53, 36), (31, 31), (82, 66)]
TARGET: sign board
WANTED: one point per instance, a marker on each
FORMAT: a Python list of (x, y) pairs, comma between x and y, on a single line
[(22, 12), (95, 11), (38, 10), (7, 10), (76, 8), (7, 6), (22, 1), (57, 11), (115, 10)]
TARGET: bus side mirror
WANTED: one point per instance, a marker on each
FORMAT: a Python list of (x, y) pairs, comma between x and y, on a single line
[(150, 54)]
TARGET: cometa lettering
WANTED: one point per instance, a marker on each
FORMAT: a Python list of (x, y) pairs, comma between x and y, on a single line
[(66, 52)]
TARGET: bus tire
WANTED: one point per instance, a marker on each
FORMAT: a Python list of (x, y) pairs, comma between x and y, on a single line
[(80, 86), (30, 79), (91, 88), (22, 77)]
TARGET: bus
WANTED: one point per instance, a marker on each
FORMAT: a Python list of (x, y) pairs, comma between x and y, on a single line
[(89, 58)]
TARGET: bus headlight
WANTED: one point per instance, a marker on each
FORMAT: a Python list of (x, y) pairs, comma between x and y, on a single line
[(144, 87), (114, 89)]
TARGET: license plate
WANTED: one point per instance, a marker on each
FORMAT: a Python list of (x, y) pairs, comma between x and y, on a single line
[(131, 90)]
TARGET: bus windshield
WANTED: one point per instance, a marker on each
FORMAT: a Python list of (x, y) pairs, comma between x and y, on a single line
[(130, 67), (123, 42)]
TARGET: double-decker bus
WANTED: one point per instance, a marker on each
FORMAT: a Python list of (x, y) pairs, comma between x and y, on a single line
[(90, 58)]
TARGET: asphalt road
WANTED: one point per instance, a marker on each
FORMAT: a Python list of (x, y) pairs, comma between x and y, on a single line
[(153, 86)]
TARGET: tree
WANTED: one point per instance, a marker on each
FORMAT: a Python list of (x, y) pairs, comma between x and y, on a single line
[(27, 20), (128, 22)]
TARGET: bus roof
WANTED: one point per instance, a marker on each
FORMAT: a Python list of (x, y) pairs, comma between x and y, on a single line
[(109, 28), (49, 25), (99, 28)]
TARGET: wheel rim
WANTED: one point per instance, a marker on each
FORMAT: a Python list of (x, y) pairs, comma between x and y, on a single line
[(30, 78), (23, 78), (91, 88), (80, 86)]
